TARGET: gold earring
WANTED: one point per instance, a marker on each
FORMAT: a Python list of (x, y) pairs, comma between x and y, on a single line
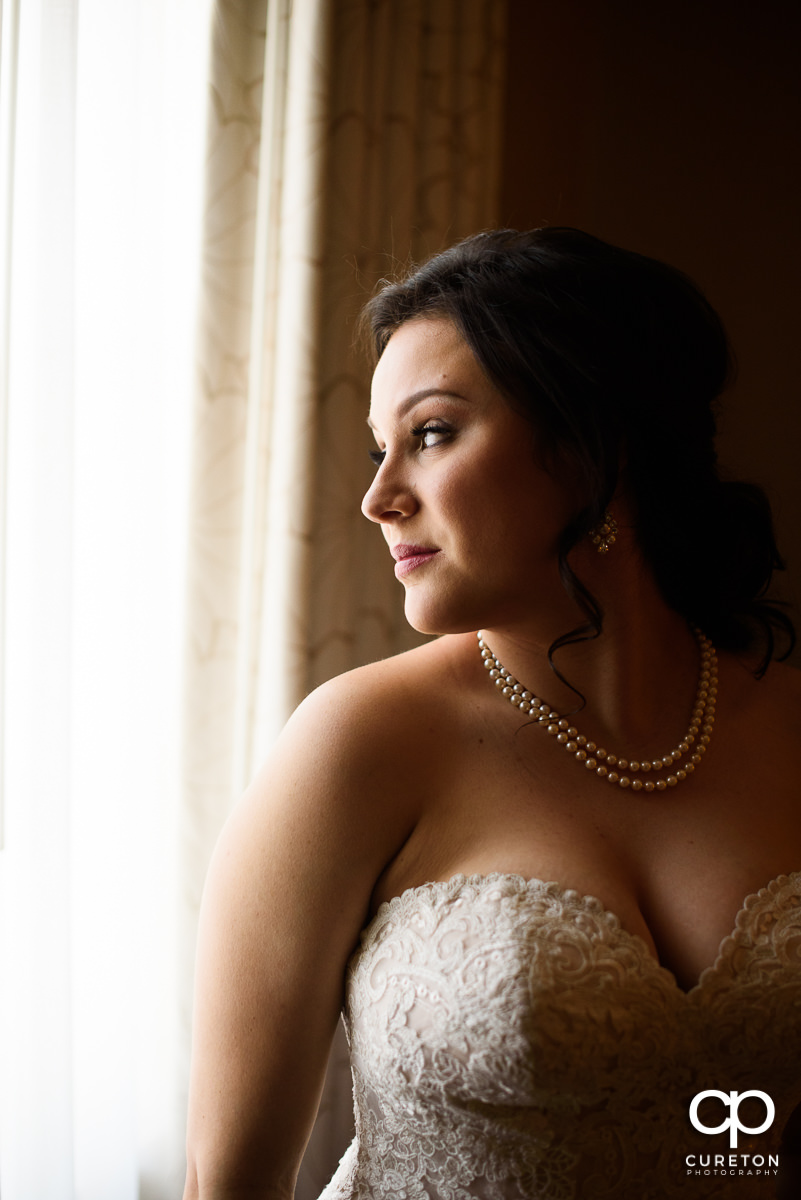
[(603, 535)]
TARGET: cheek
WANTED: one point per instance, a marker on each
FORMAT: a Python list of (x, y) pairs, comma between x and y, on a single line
[(485, 503), (453, 487)]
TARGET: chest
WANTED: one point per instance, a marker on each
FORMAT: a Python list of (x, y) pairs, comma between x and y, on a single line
[(674, 866)]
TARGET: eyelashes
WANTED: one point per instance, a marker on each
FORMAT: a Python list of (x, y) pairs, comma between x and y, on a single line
[(423, 432), (429, 430)]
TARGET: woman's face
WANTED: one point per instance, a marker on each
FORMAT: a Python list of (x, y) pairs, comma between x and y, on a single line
[(471, 517)]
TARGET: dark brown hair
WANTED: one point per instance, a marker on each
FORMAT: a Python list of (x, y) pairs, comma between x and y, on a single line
[(616, 359)]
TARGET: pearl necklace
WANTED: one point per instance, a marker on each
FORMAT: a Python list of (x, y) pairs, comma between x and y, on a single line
[(624, 772)]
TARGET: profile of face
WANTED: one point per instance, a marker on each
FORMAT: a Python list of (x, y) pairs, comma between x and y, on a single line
[(471, 515)]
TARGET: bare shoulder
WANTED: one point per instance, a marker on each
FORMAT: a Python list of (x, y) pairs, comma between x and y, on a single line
[(784, 681), (366, 712), (288, 890), (762, 726), (343, 774), (782, 684), (778, 690)]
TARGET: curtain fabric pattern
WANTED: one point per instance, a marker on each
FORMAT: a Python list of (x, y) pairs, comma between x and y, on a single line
[(413, 138), (348, 137), (219, 437), (344, 135)]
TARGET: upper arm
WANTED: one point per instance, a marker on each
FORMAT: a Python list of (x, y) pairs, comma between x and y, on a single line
[(287, 892)]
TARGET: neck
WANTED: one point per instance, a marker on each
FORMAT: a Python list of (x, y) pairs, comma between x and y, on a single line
[(638, 677)]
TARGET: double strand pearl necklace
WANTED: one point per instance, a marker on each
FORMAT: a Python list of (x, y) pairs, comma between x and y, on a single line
[(622, 771)]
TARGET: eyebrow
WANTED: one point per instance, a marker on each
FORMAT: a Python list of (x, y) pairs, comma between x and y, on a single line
[(416, 397)]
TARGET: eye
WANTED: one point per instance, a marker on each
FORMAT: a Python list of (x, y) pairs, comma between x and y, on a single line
[(377, 456), (431, 435)]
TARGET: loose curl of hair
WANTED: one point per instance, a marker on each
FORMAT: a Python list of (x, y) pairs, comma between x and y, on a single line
[(616, 359)]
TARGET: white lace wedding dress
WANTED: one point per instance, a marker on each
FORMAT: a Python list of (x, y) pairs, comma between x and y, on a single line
[(510, 1041)]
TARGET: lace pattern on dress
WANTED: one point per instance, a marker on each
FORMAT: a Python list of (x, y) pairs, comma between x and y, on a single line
[(510, 1040)]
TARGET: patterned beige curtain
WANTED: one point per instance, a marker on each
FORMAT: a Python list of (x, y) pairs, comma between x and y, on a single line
[(346, 137)]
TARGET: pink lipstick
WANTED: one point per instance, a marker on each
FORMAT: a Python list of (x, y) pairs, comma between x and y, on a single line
[(409, 558)]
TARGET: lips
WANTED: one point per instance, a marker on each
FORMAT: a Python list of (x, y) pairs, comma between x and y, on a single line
[(409, 558)]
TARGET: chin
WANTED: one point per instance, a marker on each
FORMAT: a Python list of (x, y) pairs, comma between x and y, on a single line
[(436, 619)]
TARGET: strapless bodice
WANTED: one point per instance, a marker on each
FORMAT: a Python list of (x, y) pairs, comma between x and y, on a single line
[(510, 1040)]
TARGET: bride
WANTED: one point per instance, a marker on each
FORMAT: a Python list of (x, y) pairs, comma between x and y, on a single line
[(550, 862)]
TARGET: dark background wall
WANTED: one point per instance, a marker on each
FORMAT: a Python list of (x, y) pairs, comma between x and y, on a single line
[(673, 129)]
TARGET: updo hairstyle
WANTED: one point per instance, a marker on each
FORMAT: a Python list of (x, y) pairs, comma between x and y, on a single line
[(616, 360)]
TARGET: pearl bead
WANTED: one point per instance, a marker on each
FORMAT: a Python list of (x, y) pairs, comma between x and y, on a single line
[(698, 734)]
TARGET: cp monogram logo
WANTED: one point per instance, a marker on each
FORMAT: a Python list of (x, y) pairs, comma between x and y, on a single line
[(732, 1122)]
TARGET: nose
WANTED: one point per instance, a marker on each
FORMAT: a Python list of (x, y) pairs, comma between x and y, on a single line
[(389, 496)]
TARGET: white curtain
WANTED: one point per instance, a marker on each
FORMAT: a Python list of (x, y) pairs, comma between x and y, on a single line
[(367, 132), (346, 137), (342, 134), (102, 111)]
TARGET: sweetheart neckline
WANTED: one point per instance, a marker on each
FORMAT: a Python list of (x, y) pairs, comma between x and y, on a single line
[(459, 880)]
